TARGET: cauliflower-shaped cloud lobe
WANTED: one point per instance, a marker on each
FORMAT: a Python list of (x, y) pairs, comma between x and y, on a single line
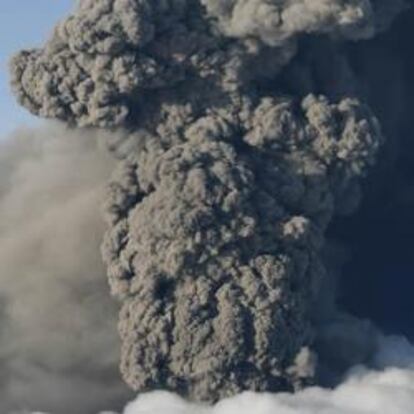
[(104, 62), (214, 240), (275, 21)]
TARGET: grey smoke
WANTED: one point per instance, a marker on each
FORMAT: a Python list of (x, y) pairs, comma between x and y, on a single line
[(104, 60), (240, 146), (216, 274), (277, 21), (58, 342)]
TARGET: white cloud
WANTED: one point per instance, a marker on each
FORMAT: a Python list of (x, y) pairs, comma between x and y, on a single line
[(387, 389)]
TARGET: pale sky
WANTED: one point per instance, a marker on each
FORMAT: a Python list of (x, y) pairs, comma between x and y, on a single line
[(23, 24)]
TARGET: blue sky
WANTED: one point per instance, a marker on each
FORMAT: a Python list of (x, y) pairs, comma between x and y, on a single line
[(23, 24)]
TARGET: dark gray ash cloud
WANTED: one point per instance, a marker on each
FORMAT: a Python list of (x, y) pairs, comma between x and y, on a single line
[(244, 132)]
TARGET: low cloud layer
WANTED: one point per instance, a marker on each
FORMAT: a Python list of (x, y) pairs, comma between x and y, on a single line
[(388, 389)]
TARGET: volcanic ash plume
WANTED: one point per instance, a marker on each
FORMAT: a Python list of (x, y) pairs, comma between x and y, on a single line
[(227, 176)]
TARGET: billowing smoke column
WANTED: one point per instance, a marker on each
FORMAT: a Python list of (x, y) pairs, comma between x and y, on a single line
[(230, 171)]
